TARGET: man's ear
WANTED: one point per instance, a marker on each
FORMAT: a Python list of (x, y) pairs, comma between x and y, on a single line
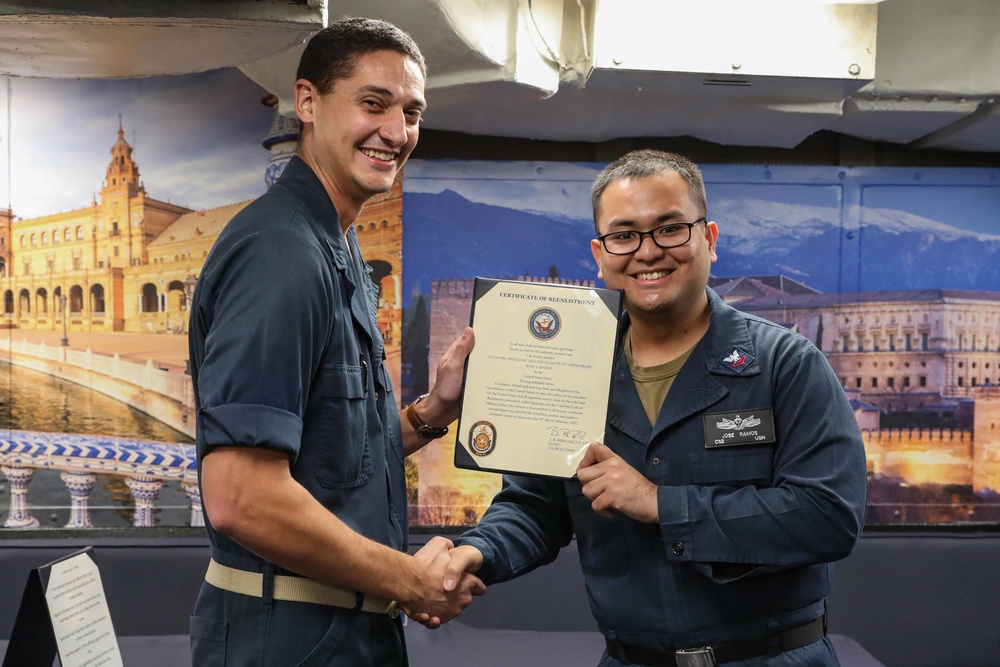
[(595, 248), (305, 95), (712, 236)]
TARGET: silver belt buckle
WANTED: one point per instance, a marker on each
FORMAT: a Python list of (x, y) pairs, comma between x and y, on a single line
[(696, 657)]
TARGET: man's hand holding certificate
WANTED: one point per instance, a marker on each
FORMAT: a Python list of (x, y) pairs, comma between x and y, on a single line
[(537, 383)]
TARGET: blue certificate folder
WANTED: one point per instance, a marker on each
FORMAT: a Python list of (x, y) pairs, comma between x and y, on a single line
[(537, 385)]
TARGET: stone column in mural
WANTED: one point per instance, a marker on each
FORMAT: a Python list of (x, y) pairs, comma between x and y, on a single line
[(145, 491), (19, 478), (281, 141), (80, 484), (193, 494)]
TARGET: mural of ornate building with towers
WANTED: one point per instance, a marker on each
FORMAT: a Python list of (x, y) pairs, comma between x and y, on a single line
[(128, 262), (83, 262), (922, 368), (906, 351)]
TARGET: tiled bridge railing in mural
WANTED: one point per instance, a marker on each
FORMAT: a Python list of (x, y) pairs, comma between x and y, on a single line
[(145, 465)]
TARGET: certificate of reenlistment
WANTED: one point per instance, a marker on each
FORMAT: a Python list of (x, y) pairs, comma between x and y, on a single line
[(538, 382)]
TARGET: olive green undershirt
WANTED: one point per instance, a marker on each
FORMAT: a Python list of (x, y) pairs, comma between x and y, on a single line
[(653, 382)]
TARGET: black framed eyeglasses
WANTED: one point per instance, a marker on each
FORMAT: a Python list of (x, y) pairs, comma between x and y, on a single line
[(628, 241)]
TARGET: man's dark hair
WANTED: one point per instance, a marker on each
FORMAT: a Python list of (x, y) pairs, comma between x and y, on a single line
[(332, 53), (643, 164)]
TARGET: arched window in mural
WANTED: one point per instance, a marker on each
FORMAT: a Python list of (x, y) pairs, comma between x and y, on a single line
[(41, 301), (34, 239), (56, 236), (97, 299), (76, 299), (149, 302), (67, 235), (45, 238), (79, 233), (387, 297), (380, 270), (8, 302), (24, 299), (175, 297)]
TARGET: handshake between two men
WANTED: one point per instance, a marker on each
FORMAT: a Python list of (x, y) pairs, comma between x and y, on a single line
[(609, 482)]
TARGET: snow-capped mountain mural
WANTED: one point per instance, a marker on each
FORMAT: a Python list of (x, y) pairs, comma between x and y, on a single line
[(887, 249), (449, 236), (446, 236)]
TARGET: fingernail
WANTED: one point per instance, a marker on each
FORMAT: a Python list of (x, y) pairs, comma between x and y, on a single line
[(449, 584)]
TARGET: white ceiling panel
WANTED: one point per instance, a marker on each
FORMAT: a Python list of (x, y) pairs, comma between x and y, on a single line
[(924, 73)]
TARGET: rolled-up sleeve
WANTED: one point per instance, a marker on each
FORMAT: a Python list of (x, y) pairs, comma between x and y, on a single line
[(262, 312)]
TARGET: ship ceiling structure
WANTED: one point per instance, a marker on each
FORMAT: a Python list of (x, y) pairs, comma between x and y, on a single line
[(920, 73)]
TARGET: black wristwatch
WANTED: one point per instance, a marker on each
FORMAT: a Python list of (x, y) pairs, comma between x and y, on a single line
[(422, 429)]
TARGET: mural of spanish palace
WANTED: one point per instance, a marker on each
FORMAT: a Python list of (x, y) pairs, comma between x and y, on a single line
[(129, 262), (88, 291)]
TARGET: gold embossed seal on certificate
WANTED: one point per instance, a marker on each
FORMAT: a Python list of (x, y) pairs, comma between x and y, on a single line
[(538, 382)]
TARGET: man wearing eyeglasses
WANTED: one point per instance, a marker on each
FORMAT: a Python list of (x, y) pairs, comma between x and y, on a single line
[(732, 472)]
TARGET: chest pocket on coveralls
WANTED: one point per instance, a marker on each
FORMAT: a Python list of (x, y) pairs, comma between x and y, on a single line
[(735, 466), (600, 540), (345, 459)]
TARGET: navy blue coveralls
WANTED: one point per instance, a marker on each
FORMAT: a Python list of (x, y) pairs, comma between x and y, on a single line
[(746, 533), (286, 354)]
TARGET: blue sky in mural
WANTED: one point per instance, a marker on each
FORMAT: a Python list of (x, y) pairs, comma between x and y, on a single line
[(197, 139), (505, 219)]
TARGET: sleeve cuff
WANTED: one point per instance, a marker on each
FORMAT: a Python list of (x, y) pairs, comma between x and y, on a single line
[(488, 571), (250, 426), (675, 522)]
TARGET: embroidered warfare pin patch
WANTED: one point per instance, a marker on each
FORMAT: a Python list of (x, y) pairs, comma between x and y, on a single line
[(746, 427), (738, 360)]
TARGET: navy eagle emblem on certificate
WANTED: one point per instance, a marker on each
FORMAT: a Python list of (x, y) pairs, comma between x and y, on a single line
[(544, 323)]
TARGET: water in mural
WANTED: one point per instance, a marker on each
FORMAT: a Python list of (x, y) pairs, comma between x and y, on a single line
[(32, 401)]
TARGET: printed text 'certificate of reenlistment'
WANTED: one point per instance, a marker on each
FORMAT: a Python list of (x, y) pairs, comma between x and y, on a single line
[(538, 381)]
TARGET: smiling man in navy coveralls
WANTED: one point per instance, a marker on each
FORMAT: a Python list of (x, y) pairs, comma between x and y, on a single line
[(299, 441), (733, 472)]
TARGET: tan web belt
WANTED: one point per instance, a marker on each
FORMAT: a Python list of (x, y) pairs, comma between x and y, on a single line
[(297, 589)]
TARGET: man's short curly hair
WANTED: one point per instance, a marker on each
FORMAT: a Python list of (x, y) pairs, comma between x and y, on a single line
[(332, 53)]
